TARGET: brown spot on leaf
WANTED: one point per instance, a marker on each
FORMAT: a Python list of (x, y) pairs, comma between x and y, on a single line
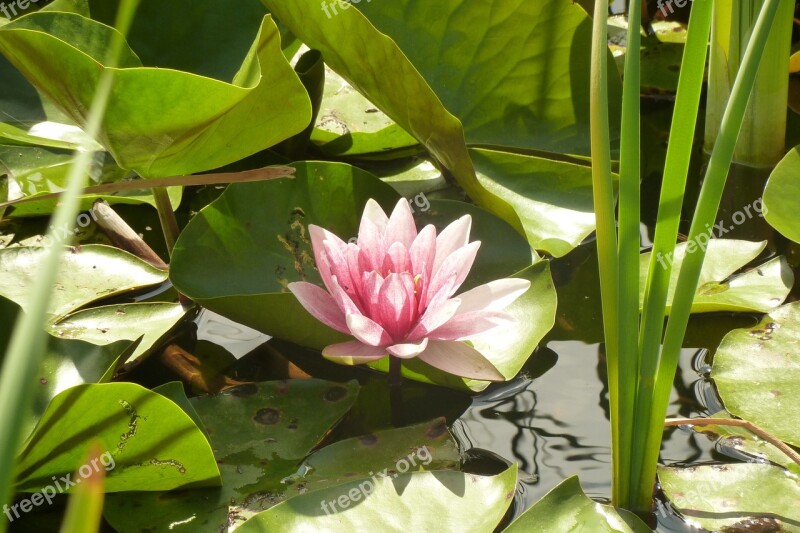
[(267, 416)]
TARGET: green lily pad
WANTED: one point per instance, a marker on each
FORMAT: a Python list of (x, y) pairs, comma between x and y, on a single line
[(101, 326), (553, 199), (757, 373), (36, 171), (350, 125), (260, 433), (162, 122), (237, 256), (760, 289), (87, 274), (566, 508), (267, 257), (151, 442), (736, 497), (419, 501), (781, 201), (516, 74), (385, 76)]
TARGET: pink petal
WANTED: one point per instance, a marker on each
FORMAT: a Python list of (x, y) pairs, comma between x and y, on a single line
[(367, 330), (337, 263), (460, 359), (374, 213), (318, 236), (422, 253), (451, 273), (434, 317), (453, 237), (371, 246), (320, 304), (397, 259), (371, 289), (343, 299), (469, 324), (398, 305), (401, 226), (353, 353), (408, 350), (493, 296)]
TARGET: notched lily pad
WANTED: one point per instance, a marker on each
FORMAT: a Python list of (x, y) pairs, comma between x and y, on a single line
[(759, 289), (87, 274)]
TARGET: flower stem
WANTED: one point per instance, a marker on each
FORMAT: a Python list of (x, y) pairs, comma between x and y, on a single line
[(396, 391)]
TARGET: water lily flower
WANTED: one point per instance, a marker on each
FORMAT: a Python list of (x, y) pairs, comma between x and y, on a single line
[(393, 291)]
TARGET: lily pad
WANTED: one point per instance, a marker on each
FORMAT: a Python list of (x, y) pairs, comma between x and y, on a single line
[(268, 251), (761, 289), (514, 73), (151, 442), (350, 125), (109, 324), (757, 373), (419, 501), (566, 508), (260, 433), (87, 274), (553, 199), (781, 201), (741, 497), (162, 122)]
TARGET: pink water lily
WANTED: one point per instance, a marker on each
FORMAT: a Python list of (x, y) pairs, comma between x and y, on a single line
[(393, 291)]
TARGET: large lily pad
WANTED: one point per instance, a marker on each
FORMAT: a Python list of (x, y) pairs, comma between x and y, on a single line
[(162, 122), (87, 274), (236, 259), (742, 497), (152, 443), (781, 201), (757, 373), (419, 501), (761, 289), (260, 433), (515, 73), (553, 199), (566, 508)]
